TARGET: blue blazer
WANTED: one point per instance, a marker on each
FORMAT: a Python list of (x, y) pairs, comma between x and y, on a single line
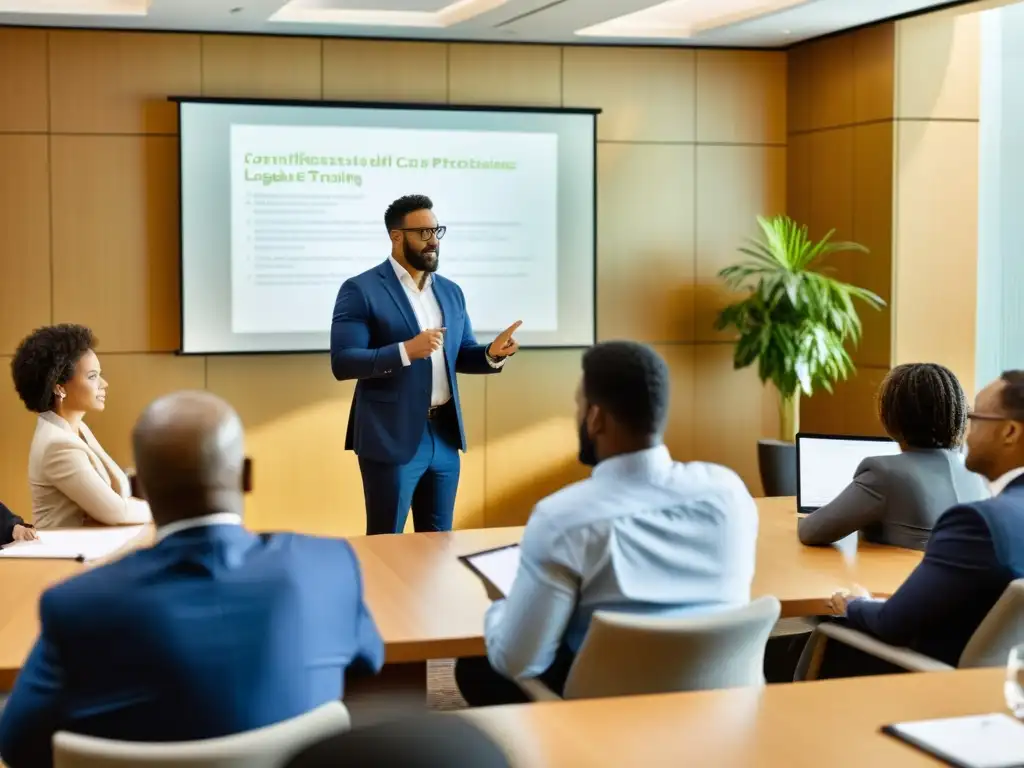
[(974, 552), (213, 631), (372, 316)]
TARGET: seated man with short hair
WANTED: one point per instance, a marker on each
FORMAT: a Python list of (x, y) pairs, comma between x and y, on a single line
[(644, 534), (212, 631)]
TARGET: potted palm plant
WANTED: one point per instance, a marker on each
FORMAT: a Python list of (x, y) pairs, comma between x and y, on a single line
[(795, 322)]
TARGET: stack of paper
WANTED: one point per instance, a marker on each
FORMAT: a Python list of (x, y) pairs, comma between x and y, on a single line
[(82, 544)]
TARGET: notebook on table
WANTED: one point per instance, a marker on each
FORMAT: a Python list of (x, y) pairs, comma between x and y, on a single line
[(81, 544), (977, 741), (496, 567), (825, 465)]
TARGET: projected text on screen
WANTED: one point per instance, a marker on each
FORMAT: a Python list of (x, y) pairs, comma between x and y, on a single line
[(307, 213)]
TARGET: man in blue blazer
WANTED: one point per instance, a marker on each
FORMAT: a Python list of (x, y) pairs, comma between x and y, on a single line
[(402, 332), (212, 631), (974, 552)]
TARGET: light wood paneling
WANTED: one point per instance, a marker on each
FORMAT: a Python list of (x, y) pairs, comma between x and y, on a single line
[(832, 173), (799, 173), (118, 82), (262, 67), (936, 245), (115, 239), (799, 63), (532, 436), (729, 414), (874, 78), (680, 436), (645, 264), (735, 184), (852, 410), (135, 381), (646, 94), (24, 237), (372, 70), (15, 437), (24, 102), (741, 97), (872, 228), (831, 88), (938, 66), (528, 75)]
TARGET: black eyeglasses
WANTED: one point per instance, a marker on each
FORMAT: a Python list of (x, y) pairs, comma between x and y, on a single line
[(988, 417), (426, 233)]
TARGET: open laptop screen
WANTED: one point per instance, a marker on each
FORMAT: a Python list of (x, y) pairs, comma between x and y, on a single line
[(826, 463)]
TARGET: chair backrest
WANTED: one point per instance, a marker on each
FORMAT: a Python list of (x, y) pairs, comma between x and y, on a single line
[(269, 747), (999, 631), (626, 654)]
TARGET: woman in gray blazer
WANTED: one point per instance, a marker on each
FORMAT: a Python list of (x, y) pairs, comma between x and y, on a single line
[(896, 500)]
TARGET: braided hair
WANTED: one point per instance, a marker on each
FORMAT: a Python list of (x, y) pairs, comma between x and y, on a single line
[(923, 406)]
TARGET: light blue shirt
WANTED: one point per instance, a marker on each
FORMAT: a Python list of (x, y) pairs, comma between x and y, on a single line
[(644, 534)]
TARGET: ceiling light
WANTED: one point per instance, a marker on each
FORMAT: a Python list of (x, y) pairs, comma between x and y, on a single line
[(685, 18), (303, 12), (78, 7)]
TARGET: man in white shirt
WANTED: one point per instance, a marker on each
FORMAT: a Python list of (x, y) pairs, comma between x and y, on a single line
[(402, 332), (644, 534)]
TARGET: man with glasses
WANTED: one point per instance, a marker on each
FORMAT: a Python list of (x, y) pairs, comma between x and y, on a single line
[(974, 552), (402, 332)]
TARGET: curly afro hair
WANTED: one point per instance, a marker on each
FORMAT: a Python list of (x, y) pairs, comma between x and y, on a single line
[(924, 406), (46, 358)]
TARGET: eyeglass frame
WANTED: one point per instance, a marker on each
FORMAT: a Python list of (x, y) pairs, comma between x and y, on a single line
[(991, 417), (440, 231)]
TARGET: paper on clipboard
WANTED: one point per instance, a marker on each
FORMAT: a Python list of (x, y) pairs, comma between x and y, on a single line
[(498, 566), (83, 544)]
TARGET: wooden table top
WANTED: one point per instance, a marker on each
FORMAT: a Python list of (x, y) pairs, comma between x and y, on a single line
[(428, 605), (832, 722)]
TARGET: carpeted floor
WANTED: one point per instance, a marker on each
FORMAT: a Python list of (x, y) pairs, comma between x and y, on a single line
[(442, 693)]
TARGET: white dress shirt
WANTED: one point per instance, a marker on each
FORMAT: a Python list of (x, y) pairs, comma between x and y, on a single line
[(999, 485), (217, 518), (428, 315), (644, 534)]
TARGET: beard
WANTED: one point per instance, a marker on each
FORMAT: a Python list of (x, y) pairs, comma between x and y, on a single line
[(425, 260), (588, 450)]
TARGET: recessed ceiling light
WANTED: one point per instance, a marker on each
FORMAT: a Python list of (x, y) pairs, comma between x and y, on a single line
[(300, 11), (685, 18), (77, 7)]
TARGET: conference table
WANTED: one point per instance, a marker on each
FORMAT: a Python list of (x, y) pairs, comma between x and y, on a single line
[(832, 722), (428, 605)]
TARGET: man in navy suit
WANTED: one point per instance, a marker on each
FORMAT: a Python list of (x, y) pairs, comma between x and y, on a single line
[(212, 631), (402, 332), (974, 552)]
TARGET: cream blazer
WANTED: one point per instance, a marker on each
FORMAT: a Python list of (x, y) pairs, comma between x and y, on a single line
[(74, 482)]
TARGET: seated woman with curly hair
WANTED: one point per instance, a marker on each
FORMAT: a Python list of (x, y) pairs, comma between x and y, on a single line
[(73, 480)]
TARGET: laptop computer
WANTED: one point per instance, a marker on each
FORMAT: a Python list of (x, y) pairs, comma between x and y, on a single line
[(825, 464)]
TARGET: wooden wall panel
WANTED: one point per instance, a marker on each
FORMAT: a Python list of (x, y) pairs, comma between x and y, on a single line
[(24, 237), (872, 228), (529, 75), (731, 413), (646, 94), (134, 382), (15, 437), (874, 76), (115, 239), (645, 262), (800, 172), (681, 435), (532, 435), (741, 97), (735, 184), (372, 70), (938, 66), (936, 245), (832, 172), (118, 82), (852, 410), (799, 105), (24, 91), (262, 67), (831, 86)]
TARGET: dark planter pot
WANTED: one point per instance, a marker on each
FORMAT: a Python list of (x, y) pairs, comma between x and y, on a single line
[(777, 462)]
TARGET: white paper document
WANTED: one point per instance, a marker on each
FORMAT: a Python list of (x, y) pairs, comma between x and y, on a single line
[(82, 544), (980, 741), (498, 566)]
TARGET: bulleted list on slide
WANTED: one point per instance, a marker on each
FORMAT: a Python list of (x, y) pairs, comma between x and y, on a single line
[(307, 212)]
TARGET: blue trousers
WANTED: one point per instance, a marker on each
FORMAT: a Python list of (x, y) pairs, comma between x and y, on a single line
[(427, 483)]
